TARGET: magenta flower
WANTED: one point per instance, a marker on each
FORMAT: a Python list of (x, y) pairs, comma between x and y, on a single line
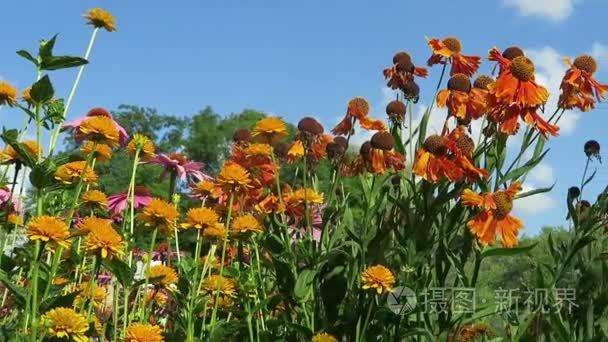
[(183, 168), (5, 195), (118, 203), (73, 125), (5, 198)]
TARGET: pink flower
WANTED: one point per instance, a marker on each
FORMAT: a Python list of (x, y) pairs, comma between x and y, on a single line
[(118, 203), (316, 213), (73, 125), (179, 164), (5, 195)]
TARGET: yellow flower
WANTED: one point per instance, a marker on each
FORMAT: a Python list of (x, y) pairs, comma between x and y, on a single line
[(144, 144), (49, 229), (233, 178), (71, 172), (100, 129), (216, 283), (204, 189), (8, 94), (14, 219), (200, 218), (140, 332), (159, 213), (377, 277), (84, 294), (159, 298), (104, 240), (309, 196), (59, 281), (66, 323), (10, 156), (215, 232), (256, 149), (91, 223), (103, 152), (99, 18), (270, 129), (95, 198), (26, 96), (169, 276), (245, 224), (323, 337)]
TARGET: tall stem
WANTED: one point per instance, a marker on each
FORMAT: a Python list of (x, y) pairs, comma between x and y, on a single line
[(142, 312)]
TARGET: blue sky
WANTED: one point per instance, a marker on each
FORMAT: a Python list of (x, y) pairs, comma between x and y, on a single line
[(296, 58)]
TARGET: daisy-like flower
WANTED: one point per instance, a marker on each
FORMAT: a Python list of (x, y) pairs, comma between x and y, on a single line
[(579, 88), (213, 284), (459, 100), (402, 71), (244, 224), (144, 145), (206, 189), (94, 198), (269, 130), (233, 178), (8, 94), (433, 162), (358, 109), (96, 112), (323, 337), (165, 274), (480, 94), (91, 223), (99, 129), (141, 332), (449, 50), (200, 218), (181, 166), (378, 278), (215, 232), (26, 96), (10, 156), (66, 323), (15, 219), (98, 296), (105, 241), (504, 59), (71, 172), (100, 18), (592, 150), (159, 298), (462, 147), (159, 213), (396, 111), (258, 154), (377, 155), (296, 201), (516, 94), (495, 215), (103, 152), (49, 229), (118, 203)]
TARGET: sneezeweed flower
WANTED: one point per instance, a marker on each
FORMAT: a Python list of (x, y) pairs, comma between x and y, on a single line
[(495, 215), (242, 136), (144, 145), (462, 147), (358, 109), (205, 189), (402, 71), (269, 130), (457, 98), (245, 224), (96, 112), (233, 178), (579, 87), (504, 59), (8, 94), (378, 278), (396, 111), (118, 203), (377, 155), (10, 156), (65, 323), (433, 162), (323, 337), (49, 229), (183, 168), (471, 332), (100, 129), (200, 218), (105, 241), (166, 275), (592, 150), (102, 153), (159, 214), (100, 18), (214, 284), (71, 173), (94, 198), (141, 332), (449, 50)]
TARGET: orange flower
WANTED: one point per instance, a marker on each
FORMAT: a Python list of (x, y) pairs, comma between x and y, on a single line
[(459, 99), (504, 59), (378, 278), (579, 88), (217, 284), (358, 108), (73, 171), (233, 178), (65, 323), (200, 218), (144, 145), (165, 274), (159, 213), (100, 129), (103, 152), (49, 229), (244, 224), (378, 155), (141, 332), (105, 241), (10, 156), (495, 216), (462, 148), (8, 94), (433, 162), (270, 130), (100, 18), (516, 94), (94, 198), (206, 189), (449, 49), (402, 71)]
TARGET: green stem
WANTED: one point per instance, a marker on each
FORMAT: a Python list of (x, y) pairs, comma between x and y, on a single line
[(131, 196), (34, 289), (142, 312)]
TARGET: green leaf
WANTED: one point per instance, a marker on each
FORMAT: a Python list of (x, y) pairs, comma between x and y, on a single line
[(42, 91), (333, 290), (501, 251), (19, 292), (43, 174), (61, 62), (59, 301), (45, 49), (557, 325), (520, 171), (423, 125), (28, 56), (121, 270), (303, 286), (535, 192), (10, 138), (590, 178)]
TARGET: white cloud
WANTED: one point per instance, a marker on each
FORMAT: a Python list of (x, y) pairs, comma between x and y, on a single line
[(535, 204), (555, 10), (600, 52), (543, 175)]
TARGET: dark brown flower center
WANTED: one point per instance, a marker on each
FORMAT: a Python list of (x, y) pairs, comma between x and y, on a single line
[(341, 141), (405, 66), (436, 145), (466, 145), (396, 109), (592, 148), (310, 125), (512, 52), (334, 150), (383, 141), (504, 204), (410, 89), (365, 150), (358, 106), (483, 81), (586, 63), (242, 135), (453, 44), (460, 82), (522, 68), (401, 57)]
